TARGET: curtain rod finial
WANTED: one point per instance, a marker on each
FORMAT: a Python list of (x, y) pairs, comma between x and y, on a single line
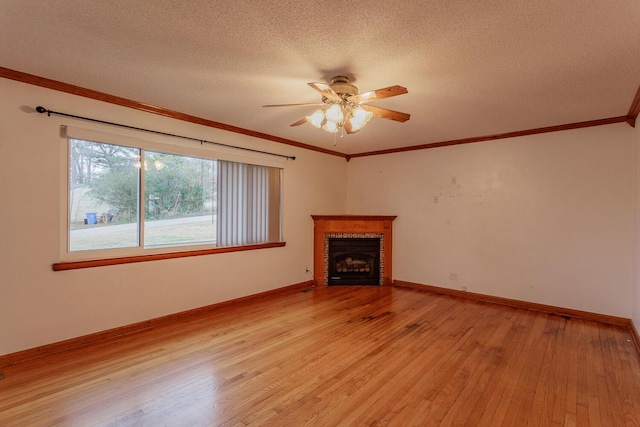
[(40, 109)]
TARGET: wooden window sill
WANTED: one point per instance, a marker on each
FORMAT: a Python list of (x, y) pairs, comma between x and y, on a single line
[(73, 265)]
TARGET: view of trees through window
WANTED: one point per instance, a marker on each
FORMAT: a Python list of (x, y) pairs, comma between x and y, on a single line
[(106, 183)]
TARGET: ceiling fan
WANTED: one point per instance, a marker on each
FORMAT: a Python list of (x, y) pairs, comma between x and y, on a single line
[(345, 109)]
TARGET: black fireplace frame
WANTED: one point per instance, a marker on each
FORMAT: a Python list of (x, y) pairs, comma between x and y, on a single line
[(377, 278)]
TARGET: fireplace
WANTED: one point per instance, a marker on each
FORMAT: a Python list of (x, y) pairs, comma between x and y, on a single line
[(352, 250), (353, 261)]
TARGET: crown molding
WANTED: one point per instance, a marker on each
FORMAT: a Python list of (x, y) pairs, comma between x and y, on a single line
[(124, 102), (535, 131), (7, 73), (632, 115)]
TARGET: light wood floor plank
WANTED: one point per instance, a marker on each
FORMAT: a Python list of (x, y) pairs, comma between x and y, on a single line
[(340, 356)]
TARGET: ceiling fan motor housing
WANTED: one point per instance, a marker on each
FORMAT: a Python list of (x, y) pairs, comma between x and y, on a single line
[(342, 86)]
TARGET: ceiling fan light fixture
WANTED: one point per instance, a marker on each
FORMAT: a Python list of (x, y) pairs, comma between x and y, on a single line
[(331, 127), (316, 118), (361, 114), (334, 113), (342, 106), (355, 124), (359, 118)]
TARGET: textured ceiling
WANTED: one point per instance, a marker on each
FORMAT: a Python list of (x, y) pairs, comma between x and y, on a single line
[(471, 68)]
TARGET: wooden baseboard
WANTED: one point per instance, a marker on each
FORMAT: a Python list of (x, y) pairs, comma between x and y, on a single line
[(58, 347), (560, 311)]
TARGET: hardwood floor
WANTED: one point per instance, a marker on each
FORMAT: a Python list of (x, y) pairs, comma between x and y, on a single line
[(340, 356)]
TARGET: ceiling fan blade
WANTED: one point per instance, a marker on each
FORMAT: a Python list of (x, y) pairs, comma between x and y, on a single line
[(374, 95), (295, 105), (326, 91), (387, 114), (299, 122)]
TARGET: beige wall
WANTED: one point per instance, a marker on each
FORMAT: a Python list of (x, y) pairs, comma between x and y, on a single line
[(544, 218), (39, 306)]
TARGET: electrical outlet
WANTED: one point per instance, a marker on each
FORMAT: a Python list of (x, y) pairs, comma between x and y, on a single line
[(453, 276)]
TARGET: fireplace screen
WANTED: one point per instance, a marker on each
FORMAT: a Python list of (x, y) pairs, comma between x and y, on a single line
[(354, 261)]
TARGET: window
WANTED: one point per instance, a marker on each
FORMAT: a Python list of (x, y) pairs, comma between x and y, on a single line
[(126, 200)]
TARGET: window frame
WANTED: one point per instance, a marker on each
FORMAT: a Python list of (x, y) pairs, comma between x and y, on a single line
[(90, 258)]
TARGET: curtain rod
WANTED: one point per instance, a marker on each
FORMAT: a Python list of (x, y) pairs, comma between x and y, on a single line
[(42, 110)]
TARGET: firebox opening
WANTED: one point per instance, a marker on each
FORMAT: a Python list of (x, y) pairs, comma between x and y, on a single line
[(354, 261)]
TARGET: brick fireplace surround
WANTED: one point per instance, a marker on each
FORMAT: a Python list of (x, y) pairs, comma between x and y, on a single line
[(352, 226)]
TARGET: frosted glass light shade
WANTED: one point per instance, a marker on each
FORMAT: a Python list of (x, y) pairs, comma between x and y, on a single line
[(356, 124), (334, 113), (330, 126), (360, 117), (316, 118)]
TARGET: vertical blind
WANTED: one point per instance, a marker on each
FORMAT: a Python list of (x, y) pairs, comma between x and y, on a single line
[(248, 204)]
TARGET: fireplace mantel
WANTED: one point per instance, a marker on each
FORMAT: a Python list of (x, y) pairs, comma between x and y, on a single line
[(357, 224)]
